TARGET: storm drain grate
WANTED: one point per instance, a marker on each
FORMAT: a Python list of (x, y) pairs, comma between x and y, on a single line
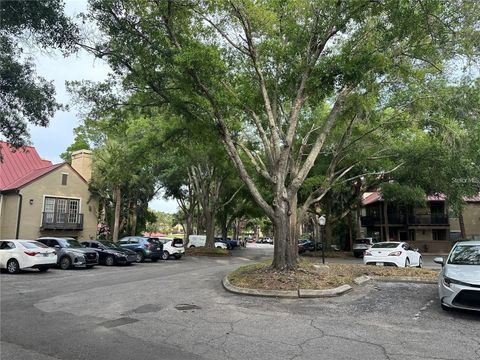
[(117, 322), (185, 307)]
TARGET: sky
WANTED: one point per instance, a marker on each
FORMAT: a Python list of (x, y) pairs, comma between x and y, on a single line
[(51, 141)]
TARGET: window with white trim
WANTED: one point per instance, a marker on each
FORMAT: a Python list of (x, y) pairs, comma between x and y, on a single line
[(61, 210)]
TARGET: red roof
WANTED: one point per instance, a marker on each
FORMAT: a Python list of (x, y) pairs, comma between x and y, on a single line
[(372, 197), (21, 166)]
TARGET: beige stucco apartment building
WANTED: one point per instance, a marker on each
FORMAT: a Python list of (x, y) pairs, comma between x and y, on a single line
[(38, 198), (431, 229)]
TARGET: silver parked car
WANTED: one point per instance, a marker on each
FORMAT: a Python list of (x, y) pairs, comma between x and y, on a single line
[(459, 280)]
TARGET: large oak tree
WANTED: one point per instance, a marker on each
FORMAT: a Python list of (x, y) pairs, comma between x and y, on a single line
[(277, 78)]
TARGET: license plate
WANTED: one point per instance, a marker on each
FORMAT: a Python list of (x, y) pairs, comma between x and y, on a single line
[(46, 254), (158, 248), (379, 264)]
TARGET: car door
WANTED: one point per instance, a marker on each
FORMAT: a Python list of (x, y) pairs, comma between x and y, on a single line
[(7, 250), (411, 254), (133, 243), (125, 243)]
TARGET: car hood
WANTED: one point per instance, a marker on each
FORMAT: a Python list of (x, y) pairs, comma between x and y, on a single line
[(465, 273)]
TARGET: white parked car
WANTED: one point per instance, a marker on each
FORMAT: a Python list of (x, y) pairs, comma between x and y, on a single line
[(392, 253), (26, 254), (171, 247), (200, 240), (459, 280)]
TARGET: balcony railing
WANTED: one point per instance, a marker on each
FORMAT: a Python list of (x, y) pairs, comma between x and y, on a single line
[(62, 221), (413, 220)]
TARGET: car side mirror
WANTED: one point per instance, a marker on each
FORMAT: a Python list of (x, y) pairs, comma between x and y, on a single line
[(416, 249), (56, 246), (439, 260)]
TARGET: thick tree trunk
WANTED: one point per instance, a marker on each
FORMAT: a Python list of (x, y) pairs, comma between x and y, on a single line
[(350, 231), (188, 227), (116, 222), (224, 231), (285, 235), (210, 229), (133, 224), (461, 222), (385, 219), (358, 223)]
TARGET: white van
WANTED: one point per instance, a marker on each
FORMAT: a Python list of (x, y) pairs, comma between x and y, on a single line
[(199, 240)]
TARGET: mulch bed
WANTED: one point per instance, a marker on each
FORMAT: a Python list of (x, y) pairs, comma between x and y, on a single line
[(262, 276), (203, 251)]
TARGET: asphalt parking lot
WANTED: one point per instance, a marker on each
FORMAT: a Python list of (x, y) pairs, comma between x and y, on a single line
[(179, 310)]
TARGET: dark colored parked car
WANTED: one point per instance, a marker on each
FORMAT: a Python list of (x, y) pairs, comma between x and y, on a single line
[(70, 253), (231, 244), (144, 247), (308, 245), (110, 253)]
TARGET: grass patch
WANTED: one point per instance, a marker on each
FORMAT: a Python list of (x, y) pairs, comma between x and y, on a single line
[(203, 251), (261, 276)]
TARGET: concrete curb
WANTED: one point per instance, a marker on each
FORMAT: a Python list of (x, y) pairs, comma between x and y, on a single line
[(404, 279), (255, 292), (311, 293), (362, 279), (300, 293), (308, 293)]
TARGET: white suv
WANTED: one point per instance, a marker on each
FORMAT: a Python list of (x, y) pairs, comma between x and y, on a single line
[(171, 247)]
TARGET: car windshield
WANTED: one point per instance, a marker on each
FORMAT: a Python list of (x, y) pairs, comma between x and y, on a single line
[(110, 245), (32, 244), (387, 245), (465, 255), (70, 243)]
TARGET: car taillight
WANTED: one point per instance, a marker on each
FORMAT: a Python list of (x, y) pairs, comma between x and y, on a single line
[(31, 253), (395, 253), (367, 253)]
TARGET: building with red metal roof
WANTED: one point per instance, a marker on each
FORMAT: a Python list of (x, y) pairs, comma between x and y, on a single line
[(38, 198), (431, 229)]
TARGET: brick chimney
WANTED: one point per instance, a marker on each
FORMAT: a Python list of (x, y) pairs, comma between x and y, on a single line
[(82, 163)]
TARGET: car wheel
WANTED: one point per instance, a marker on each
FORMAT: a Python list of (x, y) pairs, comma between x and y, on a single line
[(13, 267), (219, 247), (155, 259), (177, 256), (43, 268), (140, 257), (110, 260), (407, 262), (420, 263), (192, 246), (165, 255), (65, 263)]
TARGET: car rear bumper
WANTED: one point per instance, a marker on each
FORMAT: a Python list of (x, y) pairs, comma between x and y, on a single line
[(36, 261), (174, 250), (384, 260)]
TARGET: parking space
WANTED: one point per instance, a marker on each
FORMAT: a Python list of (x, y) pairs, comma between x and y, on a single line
[(179, 310)]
